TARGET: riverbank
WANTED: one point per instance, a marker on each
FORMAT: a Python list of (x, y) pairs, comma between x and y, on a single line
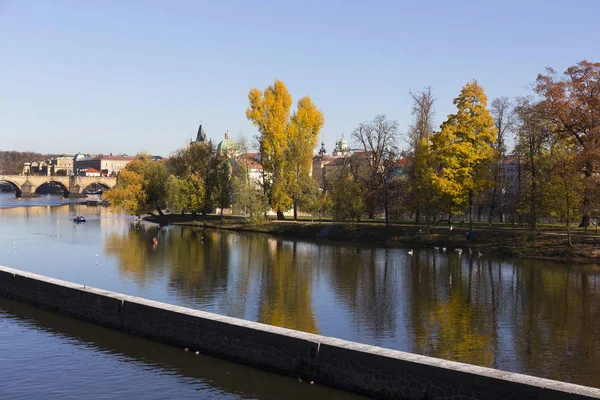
[(550, 244)]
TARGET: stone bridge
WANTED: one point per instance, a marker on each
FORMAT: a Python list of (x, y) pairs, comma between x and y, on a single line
[(73, 186)]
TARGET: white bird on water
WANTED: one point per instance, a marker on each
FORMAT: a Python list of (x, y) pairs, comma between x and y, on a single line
[(479, 254), (451, 227), (444, 249), (459, 251), (410, 252)]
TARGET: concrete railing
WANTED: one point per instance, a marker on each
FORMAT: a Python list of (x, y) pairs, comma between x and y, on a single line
[(359, 368)]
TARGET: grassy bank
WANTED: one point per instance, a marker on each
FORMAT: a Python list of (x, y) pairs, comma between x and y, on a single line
[(504, 240)]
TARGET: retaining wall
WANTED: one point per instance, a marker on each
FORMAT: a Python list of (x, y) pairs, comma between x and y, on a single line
[(368, 370)]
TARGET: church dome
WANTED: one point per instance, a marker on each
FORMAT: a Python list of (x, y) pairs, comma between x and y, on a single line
[(226, 144)]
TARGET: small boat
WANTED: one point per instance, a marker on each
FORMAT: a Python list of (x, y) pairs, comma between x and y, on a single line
[(79, 218)]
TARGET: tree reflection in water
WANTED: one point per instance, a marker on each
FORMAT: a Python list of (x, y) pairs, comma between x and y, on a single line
[(523, 316)]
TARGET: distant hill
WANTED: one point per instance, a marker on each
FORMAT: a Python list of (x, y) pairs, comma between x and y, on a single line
[(11, 162)]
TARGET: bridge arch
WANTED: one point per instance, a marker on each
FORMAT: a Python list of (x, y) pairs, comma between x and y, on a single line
[(64, 188), (14, 185), (97, 183)]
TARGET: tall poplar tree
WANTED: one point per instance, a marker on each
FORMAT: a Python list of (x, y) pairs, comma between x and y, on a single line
[(464, 149), (303, 135), (269, 111), (286, 144)]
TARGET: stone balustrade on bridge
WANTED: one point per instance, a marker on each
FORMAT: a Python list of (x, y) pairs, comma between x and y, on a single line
[(73, 186)]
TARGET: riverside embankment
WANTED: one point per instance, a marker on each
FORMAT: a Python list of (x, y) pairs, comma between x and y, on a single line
[(369, 370), (550, 242)]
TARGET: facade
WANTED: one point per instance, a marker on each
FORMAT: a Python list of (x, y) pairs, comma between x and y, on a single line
[(251, 162), (92, 172), (341, 148), (106, 165), (62, 165)]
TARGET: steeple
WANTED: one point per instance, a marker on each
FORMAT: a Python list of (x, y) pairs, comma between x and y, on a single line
[(322, 150), (201, 136)]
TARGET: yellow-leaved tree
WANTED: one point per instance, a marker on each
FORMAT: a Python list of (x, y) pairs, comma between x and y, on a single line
[(269, 111), (303, 134), (129, 195), (285, 144), (464, 150)]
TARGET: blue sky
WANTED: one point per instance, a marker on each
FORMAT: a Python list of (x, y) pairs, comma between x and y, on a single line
[(124, 76)]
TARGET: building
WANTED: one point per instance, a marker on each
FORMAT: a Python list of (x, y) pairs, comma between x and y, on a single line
[(62, 165), (318, 165), (251, 163), (227, 146), (106, 165), (200, 136), (92, 172), (341, 148)]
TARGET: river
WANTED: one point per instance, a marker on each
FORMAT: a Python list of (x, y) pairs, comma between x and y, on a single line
[(532, 317)]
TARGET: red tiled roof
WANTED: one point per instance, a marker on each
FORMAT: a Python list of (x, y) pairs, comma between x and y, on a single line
[(92, 170), (250, 160), (401, 162), (336, 162)]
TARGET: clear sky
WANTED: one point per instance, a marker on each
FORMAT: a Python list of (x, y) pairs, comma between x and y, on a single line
[(124, 76)]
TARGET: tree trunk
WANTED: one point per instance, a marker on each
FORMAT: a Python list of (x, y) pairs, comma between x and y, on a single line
[(417, 216), (158, 208), (585, 218), (470, 215), (428, 230), (295, 210), (568, 216), (280, 215)]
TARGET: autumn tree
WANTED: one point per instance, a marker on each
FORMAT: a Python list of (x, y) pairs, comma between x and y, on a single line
[(142, 188), (285, 144), (464, 149), (379, 141), (572, 106), (129, 195), (303, 134), (269, 111)]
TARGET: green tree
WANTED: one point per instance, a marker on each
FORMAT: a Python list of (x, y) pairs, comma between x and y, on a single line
[(347, 195), (566, 185), (464, 149), (424, 189), (194, 167), (223, 183), (315, 200)]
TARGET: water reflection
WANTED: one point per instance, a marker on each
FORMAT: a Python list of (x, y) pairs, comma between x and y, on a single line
[(533, 317), (42, 343)]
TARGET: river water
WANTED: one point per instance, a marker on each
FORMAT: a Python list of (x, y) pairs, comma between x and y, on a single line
[(532, 317)]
